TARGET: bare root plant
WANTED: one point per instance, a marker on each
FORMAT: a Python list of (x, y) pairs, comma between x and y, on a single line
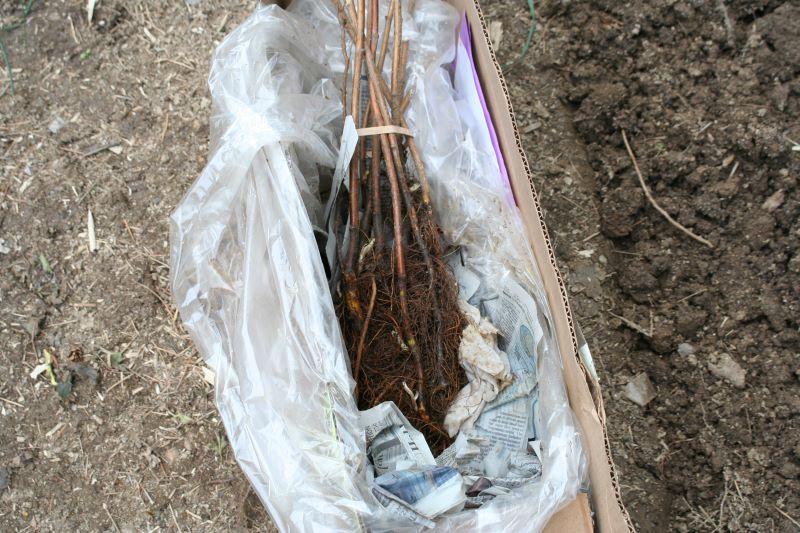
[(399, 300)]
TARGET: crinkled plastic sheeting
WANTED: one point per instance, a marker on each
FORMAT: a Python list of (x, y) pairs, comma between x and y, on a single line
[(252, 291)]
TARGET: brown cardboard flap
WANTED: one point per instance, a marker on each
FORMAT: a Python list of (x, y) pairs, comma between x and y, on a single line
[(575, 516), (610, 511)]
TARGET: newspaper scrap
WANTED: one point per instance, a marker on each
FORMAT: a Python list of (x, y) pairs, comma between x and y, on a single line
[(502, 448), (408, 482), (428, 492), (395, 505), (482, 489), (464, 451), (392, 440), (504, 472), (510, 418), (487, 370), (477, 456), (503, 463)]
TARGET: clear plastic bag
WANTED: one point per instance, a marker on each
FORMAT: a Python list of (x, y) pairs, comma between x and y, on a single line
[(252, 290)]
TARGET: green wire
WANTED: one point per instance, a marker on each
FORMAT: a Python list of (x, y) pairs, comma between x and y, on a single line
[(531, 30), (4, 49), (22, 19), (4, 53)]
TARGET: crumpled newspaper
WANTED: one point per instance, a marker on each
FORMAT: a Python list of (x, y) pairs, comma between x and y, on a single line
[(421, 494), (491, 473), (392, 442), (403, 473), (486, 366)]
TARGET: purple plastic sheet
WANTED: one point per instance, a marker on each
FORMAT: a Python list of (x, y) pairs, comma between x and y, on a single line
[(465, 37)]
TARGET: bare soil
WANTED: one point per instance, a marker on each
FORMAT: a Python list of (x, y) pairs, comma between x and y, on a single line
[(707, 93)]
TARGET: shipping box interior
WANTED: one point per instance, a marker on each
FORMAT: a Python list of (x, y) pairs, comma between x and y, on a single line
[(606, 512)]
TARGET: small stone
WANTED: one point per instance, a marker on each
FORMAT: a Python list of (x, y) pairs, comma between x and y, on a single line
[(779, 95), (56, 125), (685, 349), (152, 460), (729, 370), (774, 201), (640, 390)]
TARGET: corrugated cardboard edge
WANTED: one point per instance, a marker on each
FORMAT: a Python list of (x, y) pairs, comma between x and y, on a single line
[(584, 392), (575, 516)]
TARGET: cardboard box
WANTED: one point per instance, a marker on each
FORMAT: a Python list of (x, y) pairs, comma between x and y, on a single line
[(583, 390), (603, 509)]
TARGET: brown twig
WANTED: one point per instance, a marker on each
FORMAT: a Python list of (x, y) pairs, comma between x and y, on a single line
[(346, 64), (374, 30), (364, 328), (788, 517), (402, 79), (406, 102), (348, 274), (375, 177), (390, 152), (385, 39), (375, 163), (374, 35), (422, 175), (653, 202), (355, 104), (631, 324), (406, 300), (397, 67), (429, 225), (399, 56)]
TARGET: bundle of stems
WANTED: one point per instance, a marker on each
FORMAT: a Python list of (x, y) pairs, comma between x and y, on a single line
[(399, 307)]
